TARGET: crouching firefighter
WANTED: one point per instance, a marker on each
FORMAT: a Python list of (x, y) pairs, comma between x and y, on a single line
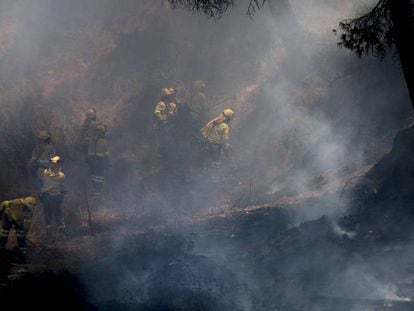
[(51, 195), (216, 136), (98, 159), (16, 214)]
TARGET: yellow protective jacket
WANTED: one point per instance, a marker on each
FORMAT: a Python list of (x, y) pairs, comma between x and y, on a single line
[(52, 183), (217, 131), (16, 211), (165, 111), (87, 130), (98, 147)]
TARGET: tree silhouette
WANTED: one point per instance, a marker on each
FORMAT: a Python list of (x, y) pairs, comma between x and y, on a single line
[(214, 8), (389, 25)]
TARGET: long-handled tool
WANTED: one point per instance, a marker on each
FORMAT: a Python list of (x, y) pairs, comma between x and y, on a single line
[(88, 210)]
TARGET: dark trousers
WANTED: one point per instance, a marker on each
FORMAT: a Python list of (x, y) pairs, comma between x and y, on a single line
[(166, 141), (214, 154), (214, 157), (97, 168), (53, 210), (20, 233)]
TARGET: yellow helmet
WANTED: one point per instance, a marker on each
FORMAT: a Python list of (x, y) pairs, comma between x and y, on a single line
[(199, 84), (168, 91), (29, 202), (91, 113), (229, 113), (56, 160), (44, 135)]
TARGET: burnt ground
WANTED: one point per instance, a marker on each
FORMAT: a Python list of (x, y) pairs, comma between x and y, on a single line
[(261, 257), (244, 261)]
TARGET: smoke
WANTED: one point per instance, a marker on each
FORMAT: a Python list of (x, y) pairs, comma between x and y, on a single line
[(309, 116), (318, 119), (358, 282)]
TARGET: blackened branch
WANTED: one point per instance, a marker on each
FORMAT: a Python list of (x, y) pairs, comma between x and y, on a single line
[(370, 33), (214, 8)]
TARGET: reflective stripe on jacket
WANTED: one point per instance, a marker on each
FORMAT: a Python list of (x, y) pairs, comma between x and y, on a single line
[(164, 111), (98, 148)]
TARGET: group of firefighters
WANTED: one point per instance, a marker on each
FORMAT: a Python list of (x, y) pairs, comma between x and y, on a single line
[(214, 135), (49, 180), (47, 165)]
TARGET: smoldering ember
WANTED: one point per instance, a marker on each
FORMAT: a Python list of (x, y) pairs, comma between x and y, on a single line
[(241, 155)]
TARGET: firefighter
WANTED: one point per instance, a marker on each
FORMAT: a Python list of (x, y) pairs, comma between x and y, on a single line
[(88, 129), (166, 109), (198, 102), (98, 158), (51, 195), (198, 108), (16, 214), (216, 135), (43, 151), (165, 113)]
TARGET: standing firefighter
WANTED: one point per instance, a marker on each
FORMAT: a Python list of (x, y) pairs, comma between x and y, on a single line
[(16, 214), (165, 113), (88, 129), (98, 158), (43, 151), (216, 134), (198, 108), (52, 194), (198, 102)]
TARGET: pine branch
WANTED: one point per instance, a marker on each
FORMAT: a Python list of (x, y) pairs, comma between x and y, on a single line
[(370, 34), (214, 8)]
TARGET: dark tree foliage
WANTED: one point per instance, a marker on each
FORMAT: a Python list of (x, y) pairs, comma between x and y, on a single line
[(370, 33), (389, 24), (214, 8)]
